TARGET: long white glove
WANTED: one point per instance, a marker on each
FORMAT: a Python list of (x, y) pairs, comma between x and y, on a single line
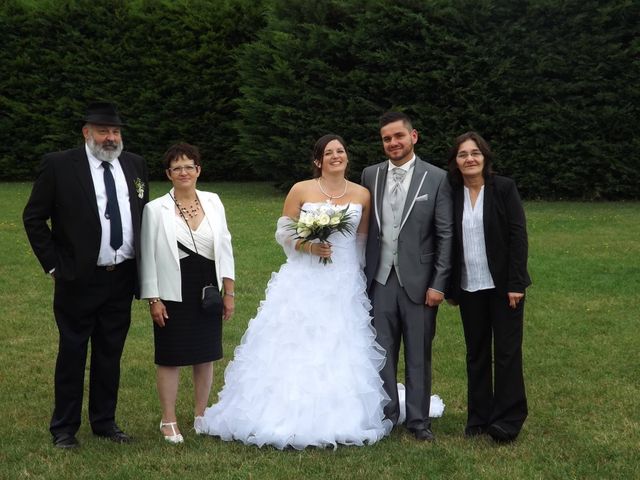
[(286, 237), (361, 248)]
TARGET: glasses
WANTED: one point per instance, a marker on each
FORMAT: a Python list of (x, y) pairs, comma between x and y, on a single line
[(476, 154), (186, 168)]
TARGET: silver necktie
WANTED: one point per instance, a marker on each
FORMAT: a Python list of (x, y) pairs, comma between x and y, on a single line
[(397, 190)]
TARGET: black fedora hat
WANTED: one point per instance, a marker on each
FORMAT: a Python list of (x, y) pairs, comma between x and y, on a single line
[(103, 113)]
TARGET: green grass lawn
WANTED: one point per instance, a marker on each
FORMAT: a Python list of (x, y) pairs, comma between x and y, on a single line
[(581, 350)]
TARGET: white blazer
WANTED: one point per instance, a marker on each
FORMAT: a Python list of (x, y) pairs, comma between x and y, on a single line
[(160, 261)]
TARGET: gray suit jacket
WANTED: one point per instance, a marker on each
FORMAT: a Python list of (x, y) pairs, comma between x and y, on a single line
[(426, 231)]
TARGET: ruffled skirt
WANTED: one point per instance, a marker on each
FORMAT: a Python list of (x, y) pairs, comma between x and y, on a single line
[(306, 370)]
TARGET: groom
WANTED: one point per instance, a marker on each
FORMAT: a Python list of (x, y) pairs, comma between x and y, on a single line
[(408, 264)]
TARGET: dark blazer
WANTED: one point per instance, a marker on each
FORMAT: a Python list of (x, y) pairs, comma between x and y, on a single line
[(63, 192), (425, 238), (505, 235)]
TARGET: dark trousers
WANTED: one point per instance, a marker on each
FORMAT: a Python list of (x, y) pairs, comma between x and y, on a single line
[(97, 309), (486, 317), (396, 318)]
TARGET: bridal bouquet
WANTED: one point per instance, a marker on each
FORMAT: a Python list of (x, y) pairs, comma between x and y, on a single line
[(320, 223)]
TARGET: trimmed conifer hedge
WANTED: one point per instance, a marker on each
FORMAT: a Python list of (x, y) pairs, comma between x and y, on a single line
[(169, 66), (552, 84)]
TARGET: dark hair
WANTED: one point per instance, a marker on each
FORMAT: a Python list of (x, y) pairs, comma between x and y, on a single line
[(454, 173), (181, 150), (318, 151), (391, 117)]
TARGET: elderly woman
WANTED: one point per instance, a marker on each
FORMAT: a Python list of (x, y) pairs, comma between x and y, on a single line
[(488, 282), (185, 246)]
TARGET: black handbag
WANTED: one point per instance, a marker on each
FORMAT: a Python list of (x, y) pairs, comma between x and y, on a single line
[(211, 300)]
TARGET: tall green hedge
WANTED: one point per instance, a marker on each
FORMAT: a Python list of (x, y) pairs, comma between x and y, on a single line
[(554, 85), (168, 65)]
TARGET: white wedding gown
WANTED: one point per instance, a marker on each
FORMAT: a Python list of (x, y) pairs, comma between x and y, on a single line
[(306, 370)]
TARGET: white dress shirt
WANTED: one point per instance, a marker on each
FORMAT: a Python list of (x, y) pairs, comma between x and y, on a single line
[(109, 256), (475, 270)]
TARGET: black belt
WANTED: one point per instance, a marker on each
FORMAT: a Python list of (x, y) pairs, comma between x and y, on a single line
[(111, 268)]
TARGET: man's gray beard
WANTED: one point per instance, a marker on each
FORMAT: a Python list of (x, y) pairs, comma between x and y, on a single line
[(102, 154)]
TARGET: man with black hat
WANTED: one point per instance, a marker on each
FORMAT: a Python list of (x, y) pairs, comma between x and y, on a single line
[(93, 197)]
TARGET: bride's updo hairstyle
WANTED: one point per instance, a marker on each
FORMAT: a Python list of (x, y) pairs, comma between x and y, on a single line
[(318, 151)]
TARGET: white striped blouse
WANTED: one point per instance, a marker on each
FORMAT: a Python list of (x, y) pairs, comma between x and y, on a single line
[(475, 270)]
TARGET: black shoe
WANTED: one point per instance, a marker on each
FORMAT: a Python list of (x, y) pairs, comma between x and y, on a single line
[(474, 431), (65, 440), (424, 435), (114, 434), (499, 434)]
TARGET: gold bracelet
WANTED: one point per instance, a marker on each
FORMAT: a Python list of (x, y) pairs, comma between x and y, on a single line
[(309, 249)]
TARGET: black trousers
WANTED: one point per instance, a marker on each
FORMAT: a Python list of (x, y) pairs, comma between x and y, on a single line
[(499, 399), (96, 310)]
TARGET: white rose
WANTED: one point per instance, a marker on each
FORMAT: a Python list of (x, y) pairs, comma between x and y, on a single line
[(335, 220), (323, 219), (303, 232), (307, 219)]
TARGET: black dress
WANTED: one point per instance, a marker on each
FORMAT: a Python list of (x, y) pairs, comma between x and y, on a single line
[(190, 336)]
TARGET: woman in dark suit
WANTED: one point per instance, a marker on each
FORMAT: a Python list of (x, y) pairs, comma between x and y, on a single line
[(489, 282)]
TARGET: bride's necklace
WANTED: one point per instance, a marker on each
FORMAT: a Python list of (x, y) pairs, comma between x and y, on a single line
[(333, 197), (192, 210)]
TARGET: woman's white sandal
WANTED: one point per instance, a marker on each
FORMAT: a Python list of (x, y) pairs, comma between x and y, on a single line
[(176, 437)]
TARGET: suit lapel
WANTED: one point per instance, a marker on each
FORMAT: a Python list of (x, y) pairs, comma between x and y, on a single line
[(417, 179), (380, 188), (82, 169), (487, 206), (206, 202), (169, 223), (458, 205), (130, 176)]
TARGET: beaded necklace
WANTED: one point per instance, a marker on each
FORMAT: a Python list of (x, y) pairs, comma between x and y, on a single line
[(192, 210)]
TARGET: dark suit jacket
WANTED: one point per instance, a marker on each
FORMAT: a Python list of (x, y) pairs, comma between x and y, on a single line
[(63, 192), (505, 235), (425, 238)]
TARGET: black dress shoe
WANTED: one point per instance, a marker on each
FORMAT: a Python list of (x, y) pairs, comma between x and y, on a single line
[(65, 440), (424, 435), (499, 434), (114, 434), (474, 431)]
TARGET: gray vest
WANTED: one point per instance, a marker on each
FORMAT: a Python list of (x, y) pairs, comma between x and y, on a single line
[(389, 230)]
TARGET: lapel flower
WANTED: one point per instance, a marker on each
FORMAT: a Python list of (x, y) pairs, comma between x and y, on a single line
[(139, 187)]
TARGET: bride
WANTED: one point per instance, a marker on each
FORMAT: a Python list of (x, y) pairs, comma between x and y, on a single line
[(306, 370)]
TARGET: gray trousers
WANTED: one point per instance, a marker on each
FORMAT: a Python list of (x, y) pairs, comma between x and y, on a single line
[(397, 319)]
